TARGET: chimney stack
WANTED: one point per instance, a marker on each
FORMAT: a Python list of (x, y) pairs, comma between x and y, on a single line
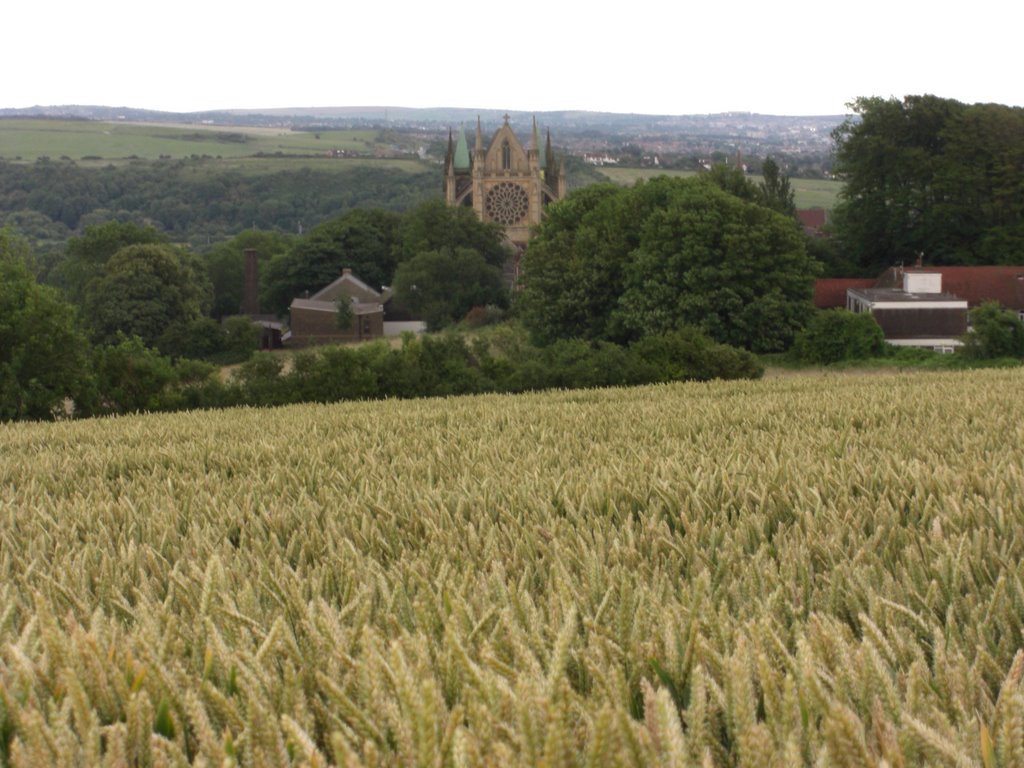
[(251, 284)]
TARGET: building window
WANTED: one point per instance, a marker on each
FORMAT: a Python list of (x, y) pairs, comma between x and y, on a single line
[(506, 156), (507, 203)]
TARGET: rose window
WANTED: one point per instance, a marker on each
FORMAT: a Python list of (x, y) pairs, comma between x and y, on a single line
[(507, 203)]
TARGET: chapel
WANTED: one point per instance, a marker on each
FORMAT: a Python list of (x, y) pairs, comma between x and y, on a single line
[(502, 181)]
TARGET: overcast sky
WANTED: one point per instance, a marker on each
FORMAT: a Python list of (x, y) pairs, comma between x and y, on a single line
[(793, 57)]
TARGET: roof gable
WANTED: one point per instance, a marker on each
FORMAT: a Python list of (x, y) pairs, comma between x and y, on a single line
[(347, 285), (495, 161)]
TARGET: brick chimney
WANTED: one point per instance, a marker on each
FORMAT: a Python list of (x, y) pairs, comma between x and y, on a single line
[(251, 284)]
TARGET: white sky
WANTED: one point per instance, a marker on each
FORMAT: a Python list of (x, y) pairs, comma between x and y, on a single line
[(793, 57)]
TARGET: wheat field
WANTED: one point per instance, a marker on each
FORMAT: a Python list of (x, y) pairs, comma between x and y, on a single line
[(814, 570)]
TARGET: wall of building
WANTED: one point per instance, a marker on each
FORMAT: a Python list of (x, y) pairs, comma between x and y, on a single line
[(317, 327), (921, 323)]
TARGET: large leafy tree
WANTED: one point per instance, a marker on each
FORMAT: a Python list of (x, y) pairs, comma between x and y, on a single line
[(442, 286), (88, 254), (933, 178), (980, 185), (573, 270), (620, 264), (364, 240), (433, 225), (145, 289), (43, 355)]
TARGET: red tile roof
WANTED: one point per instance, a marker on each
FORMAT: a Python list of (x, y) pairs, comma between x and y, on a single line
[(811, 218), (830, 293), (976, 284)]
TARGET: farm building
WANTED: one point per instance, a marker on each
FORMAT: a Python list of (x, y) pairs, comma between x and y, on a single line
[(314, 320)]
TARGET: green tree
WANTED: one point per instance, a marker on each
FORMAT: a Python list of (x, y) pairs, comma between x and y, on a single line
[(980, 186), (241, 338), (144, 289), (198, 338), (130, 376), (666, 254), (364, 240), (572, 269), (43, 354), (776, 191), (346, 314), (88, 254), (434, 226), (995, 332), (442, 286), (930, 177), (734, 181)]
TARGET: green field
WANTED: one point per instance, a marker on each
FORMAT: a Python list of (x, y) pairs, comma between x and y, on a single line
[(91, 141), (815, 570), (809, 193)]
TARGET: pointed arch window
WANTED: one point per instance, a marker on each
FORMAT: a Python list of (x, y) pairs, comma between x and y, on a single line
[(506, 156)]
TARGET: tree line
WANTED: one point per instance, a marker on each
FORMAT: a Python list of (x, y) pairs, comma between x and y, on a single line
[(194, 201), (54, 366), (929, 178)]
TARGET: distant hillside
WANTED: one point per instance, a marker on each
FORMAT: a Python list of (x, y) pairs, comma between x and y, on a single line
[(810, 134)]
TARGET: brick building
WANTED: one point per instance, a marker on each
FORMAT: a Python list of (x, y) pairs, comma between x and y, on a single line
[(314, 320)]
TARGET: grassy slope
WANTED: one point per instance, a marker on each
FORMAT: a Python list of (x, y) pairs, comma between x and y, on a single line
[(102, 143), (816, 570)]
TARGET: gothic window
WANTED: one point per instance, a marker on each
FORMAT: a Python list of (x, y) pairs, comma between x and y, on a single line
[(506, 156), (507, 203)]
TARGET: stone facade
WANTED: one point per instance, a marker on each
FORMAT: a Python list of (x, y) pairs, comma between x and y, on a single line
[(502, 181)]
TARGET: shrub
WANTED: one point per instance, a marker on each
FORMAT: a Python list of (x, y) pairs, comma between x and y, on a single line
[(201, 337), (837, 334), (241, 337), (688, 354), (260, 380), (130, 376), (995, 332)]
